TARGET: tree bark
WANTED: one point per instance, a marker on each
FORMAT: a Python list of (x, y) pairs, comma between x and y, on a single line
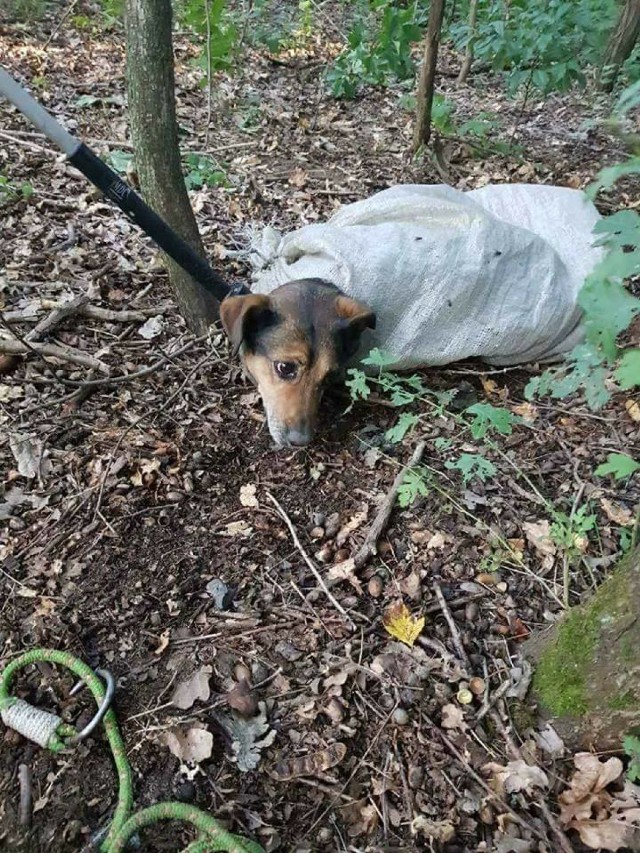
[(424, 97), (152, 114), (621, 43), (587, 678), (468, 51)]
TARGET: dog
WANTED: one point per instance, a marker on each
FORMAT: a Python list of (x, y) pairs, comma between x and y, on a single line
[(292, 344)]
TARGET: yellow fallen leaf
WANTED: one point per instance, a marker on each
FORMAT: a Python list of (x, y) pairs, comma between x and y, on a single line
[(401, 624)]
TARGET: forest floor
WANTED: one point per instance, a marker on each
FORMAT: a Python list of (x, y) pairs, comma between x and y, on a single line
[(137, 496)]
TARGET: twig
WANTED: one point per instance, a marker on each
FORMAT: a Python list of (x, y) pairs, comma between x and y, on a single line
[(94, 312), (57, 27), (491, 699), (483, 784), (564, 842), (309, 561), (56, 316), (144, 371), (453, 628), (26, 796), (370, 544), (63, 353)]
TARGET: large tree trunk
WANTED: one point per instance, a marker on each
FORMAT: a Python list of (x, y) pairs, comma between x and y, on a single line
[(587, 677), (424, 97), (152, 115), (468, 51), (621, 43)]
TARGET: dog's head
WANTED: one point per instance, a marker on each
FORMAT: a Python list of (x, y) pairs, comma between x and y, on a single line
[(292, 343)]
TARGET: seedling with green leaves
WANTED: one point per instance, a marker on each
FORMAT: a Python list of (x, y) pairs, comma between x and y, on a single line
[(631, 746), (12, 192), (202, 171)]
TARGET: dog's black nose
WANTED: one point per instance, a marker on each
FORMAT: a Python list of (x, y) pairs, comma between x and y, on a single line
[(299, 436)]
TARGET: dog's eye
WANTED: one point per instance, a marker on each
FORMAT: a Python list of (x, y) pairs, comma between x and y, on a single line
[(286, 369)]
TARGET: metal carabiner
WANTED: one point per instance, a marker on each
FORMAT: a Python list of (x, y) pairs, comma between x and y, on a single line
[(103, 708)]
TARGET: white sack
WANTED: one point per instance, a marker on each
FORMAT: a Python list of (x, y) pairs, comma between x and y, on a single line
[(492, 273)]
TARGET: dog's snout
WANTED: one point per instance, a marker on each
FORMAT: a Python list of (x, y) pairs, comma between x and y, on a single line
[(299, 436)]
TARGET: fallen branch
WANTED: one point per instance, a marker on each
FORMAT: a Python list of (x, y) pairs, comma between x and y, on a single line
[(63, 353), (58, 313), (94, 312), (45, 325), (370, 545), (283, 515), (26, 795)]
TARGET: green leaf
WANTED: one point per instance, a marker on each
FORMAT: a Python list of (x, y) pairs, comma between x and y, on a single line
[(620, 230), (442, 443), (400, 429), (472, 465), (26, 189), (119, 160), (358, 385), (414, 484), (619, 465), (489, 417), (628, 371), (378, 358), (608, 307), (631, 745)]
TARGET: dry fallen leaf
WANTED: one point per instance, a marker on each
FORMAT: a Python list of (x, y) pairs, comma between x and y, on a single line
[(633, 409), (152, 328), (617, 513), (163, 642), (604, 821), (441, 831), (248, 495), (401, 624), (238, 528), (345, 571), (249, 737), (515, 776), (242, 699), (453, 717), (315, 763), (192, 689), (527, 411), (538, 534), (28, 453), (191, 745), (353, 524)]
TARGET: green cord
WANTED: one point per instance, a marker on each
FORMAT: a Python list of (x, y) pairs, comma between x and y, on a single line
[(212, 836)]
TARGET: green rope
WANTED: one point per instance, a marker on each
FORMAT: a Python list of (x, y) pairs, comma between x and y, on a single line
[(212, 837)]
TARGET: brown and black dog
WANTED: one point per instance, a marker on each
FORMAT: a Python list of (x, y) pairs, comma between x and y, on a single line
[(292, 343)]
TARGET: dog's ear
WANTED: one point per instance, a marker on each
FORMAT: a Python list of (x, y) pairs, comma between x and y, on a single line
[(243, 316), (353, 318)]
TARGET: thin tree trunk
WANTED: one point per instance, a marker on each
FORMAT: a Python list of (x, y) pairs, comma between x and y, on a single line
[(424, 97), (621, 43), (152, 112), (468, 52)]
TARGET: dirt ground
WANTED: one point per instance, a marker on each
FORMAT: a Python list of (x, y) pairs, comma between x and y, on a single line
[(150, 489)]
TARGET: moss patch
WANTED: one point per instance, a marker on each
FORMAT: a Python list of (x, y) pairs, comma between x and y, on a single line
[(562, 675)]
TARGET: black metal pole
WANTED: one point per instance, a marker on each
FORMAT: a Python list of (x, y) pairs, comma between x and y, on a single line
[(120, 193)]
